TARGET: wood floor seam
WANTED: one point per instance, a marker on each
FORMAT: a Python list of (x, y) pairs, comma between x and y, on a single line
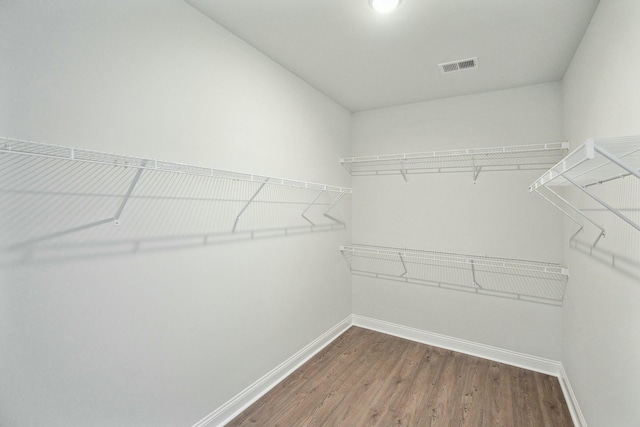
[(368, 378)]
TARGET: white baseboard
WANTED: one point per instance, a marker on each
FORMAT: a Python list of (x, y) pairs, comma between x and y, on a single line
[(570, 397), (521, 360), (245, 398)]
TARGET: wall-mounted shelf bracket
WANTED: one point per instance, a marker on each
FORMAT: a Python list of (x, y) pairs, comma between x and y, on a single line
[(132, 186), (565, 202), (597, 161), (404, 266), (333, 205), (476, 172), (115, 219), (473, 272), (309, 207), (235, 224)]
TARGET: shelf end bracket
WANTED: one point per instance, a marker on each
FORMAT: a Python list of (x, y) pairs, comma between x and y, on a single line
[(403, 265), (309, 206), (132, 186), (473, 274), (476, 172), (235, 224)]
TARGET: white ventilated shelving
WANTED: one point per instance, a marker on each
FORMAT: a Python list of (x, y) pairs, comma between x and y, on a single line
[(63, 199), (473, 160), (597, 161), (511, 278)]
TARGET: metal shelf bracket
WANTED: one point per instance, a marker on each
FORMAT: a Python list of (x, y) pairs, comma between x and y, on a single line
[(597, 161), (114, 219), (309, 207), (235, 224)]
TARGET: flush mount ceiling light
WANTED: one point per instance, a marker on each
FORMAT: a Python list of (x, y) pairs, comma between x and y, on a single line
[(384, 6)]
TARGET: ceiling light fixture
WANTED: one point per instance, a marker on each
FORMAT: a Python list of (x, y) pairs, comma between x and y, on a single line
[(384, 6)]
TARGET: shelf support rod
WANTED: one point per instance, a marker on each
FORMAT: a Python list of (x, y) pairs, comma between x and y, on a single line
[(603, 203), (617, 161), (602, 233), (473, 274), (309, 206), (476, 172), (622, 175), (403, 265), (578, 211), (571, 217), (115, 219), (403, 172), (574, 235), (134, 182), (333, 204), (235, 224)]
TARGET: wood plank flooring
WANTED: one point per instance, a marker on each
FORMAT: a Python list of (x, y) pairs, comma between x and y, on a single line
[(365, 378)]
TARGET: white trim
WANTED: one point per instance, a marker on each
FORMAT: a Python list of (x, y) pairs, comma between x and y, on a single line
[(570, 397), (249, 395), (521, 360)]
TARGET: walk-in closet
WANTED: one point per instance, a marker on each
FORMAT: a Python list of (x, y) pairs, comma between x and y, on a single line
[(334, 213)]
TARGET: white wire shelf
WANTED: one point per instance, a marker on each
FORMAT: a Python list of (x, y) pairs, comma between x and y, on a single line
[(511, 278), (58, 199), (597, 161), (474, 160), (39, 149)]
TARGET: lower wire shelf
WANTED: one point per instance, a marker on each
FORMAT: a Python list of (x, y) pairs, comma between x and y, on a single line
[(511, 278)]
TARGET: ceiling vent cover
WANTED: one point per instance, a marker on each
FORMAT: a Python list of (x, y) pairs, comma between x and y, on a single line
[(460, 65)]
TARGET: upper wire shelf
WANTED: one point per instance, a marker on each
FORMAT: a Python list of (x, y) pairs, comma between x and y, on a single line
[(512, 278), (474, 160), (59, 201), (39, 149), (597, 161)]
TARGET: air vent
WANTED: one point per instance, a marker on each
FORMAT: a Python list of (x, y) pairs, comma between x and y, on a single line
[(460, 65)]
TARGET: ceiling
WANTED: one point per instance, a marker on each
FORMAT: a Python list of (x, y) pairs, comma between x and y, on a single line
[(366, 60)]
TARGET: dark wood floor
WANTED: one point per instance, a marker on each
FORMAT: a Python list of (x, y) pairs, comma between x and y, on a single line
[(366, 378)]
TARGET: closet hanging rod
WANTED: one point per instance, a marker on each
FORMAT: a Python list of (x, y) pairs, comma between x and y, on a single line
[(39, 149)]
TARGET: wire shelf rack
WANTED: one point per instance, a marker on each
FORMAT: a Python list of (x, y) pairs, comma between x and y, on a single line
[(39, 149), (70, 200), (595, 162), (511, 278), (475, 160)]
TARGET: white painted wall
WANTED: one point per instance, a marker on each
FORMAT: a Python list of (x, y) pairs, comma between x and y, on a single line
[(164, 338), (448, 212), (161, 338), (601, 327)]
